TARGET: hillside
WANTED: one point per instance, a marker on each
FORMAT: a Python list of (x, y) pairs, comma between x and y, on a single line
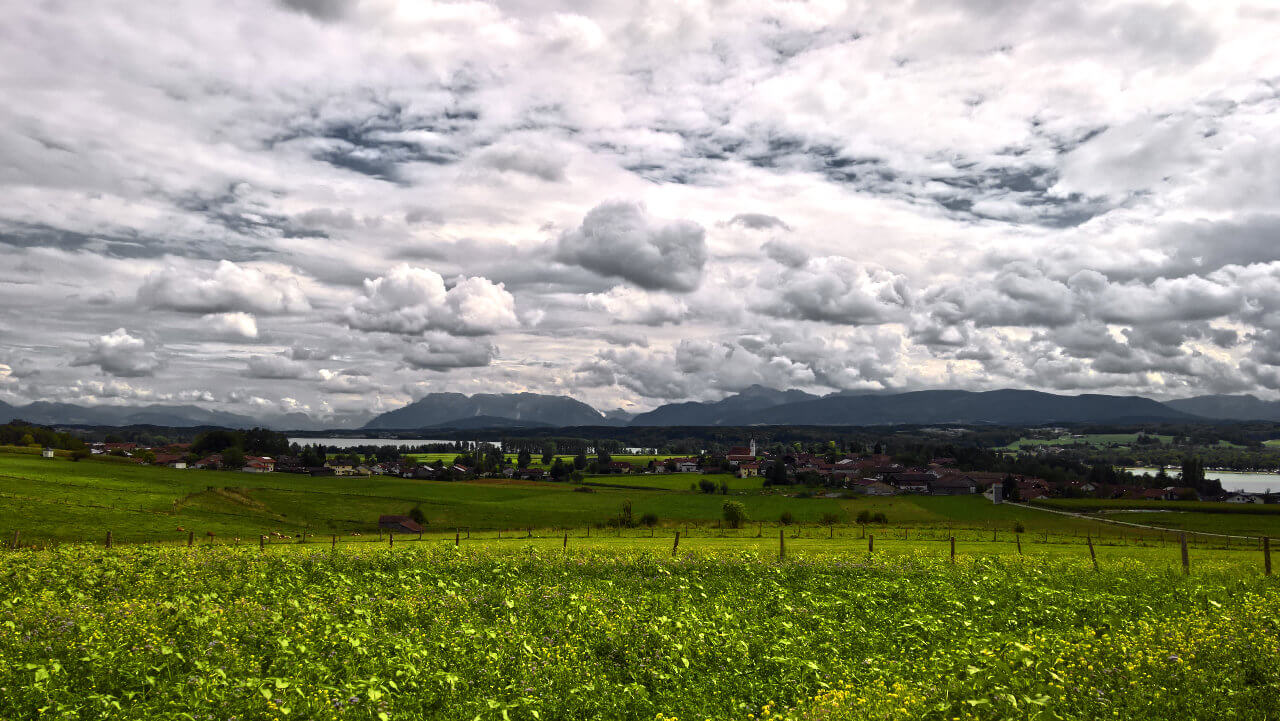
[(1002, 407), (439, 409), (176, 416), (728, 411), (1224, 407)]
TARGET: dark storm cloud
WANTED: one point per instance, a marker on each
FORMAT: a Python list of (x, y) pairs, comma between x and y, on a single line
[(620, 239)]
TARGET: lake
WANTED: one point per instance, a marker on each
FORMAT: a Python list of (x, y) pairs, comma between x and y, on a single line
[(353, 442), (1236, 482)]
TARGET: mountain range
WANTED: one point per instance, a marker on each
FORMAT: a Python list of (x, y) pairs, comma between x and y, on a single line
[(756, 405)]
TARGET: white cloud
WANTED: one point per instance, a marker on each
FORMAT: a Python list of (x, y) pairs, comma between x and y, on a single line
[(412, 300), (120, 354), (277, 367), (631, 305), (229, 288), (231, 325), (620, 239)]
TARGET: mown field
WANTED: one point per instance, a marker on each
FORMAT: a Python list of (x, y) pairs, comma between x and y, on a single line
[(525, 630), (1093, 439), (639, 461), (63, 500)]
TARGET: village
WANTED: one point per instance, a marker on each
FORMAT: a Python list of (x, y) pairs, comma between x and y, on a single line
[(873, 474)]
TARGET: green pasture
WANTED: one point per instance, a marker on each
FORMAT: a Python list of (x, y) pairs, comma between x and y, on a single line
[(1092, 439), (63, 500)]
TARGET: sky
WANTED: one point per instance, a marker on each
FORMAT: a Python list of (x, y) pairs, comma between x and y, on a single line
[(337, 207)]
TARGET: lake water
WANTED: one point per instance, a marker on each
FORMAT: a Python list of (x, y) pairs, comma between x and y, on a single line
[(353, 442), (1236, 482)]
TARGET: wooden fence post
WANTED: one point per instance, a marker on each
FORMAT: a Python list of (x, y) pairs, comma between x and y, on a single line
[(334, 546), (391, 538), (1018, 537), (262, 542), (676, 545), (566, 540), (457, 538), (782, 545), (1092, 556), (108, 539), (1186, 560), (1266, 555), (871, 543), (831, 531), (953, 549), (191, 538)]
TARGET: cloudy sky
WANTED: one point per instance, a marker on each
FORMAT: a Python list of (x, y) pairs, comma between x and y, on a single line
[(337, 206)]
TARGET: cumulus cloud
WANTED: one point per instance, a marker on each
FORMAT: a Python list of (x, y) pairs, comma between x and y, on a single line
[(412, 300), (229, 288), (833, 289), (441, 352), (120, 354), (524, 160), (621, 239), (758, 221), (277, 367), (631, 305), (231, 325)]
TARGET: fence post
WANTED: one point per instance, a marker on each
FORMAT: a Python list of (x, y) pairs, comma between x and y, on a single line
[(334, 546), (391, 538), (1266, 555), (1092, 556), (457, 538), (191, 538), (953, 549), (1018, 538), (676, 545), (782, 544), (1186, 560), (566, 540), (831, 531), (262, 542), (871, 543), (108, 539)]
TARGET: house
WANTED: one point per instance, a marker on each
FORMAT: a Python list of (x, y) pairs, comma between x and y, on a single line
[(172, 460), (341, 468), (954, 485), (619, 467), (876, 488), (1244, 498), (399, 524), (911, 482), (686, 465), (211, 462), (46, 453), (748, 470), (742, 454), (258, 464)]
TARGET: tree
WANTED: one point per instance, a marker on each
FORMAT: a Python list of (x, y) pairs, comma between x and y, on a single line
[(864, 517), (524, 459), (1010, 489), (786, 518), (548, 453), (829, 519), (735, 514), (602, 456), (559, 470), (724, 488), (418, 516), (624, 515), (580, 460), (27, 440), (232, 459)]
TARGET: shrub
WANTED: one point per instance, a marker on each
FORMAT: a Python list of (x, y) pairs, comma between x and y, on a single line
[(787, 519), (706, 485), (879, 518), (418, 516), (649, 519), (584, 489), (724, 488), (864, 517), (1019, 528), (735, 514), (830, 519)]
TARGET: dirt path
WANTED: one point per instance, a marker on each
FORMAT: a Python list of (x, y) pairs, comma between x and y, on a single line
[(1163, 529)]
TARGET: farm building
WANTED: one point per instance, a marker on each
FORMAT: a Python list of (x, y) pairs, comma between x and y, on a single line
[(399, 524), (46, 453)]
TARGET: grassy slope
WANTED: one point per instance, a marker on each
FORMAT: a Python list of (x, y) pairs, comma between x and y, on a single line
[(63, 500)]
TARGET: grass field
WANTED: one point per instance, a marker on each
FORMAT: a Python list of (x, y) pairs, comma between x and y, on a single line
[(1095, 439), (616, 628), (636, 460), (59, 500)]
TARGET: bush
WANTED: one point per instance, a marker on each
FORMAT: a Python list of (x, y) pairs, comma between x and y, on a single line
[(787, 519), (1019, 528), (864, 517), (418, 516), (706, 485), (735, 514), (584, 489), (879, 518), (829, 519), (649, 519)]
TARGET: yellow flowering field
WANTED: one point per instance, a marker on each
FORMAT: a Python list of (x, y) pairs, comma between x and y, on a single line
[(530, 632)]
